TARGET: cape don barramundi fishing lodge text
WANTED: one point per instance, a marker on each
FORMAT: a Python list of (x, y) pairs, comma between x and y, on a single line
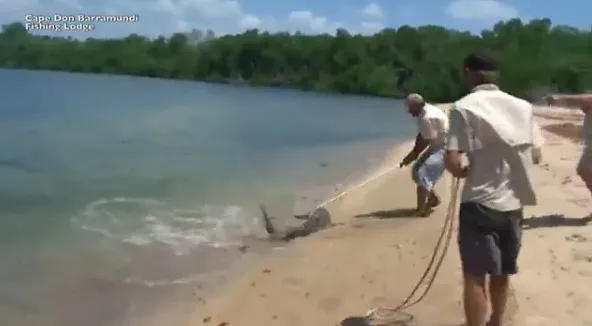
[(80, 22)]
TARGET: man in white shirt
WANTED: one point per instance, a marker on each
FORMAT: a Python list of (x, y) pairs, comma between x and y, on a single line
[(584, 103), (497, 133), (432, 126)]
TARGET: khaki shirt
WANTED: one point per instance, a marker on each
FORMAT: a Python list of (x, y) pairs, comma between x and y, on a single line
[(498, 177)]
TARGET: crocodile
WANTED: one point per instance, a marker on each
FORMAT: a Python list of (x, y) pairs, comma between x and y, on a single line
[(318, 220)]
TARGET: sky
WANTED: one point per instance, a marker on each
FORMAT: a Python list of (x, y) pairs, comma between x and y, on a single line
[(164, 17)]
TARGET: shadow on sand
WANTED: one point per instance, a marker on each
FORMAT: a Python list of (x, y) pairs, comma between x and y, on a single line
[(354, 321), (405, 319), (394, 213), (544, 221), (566, 130), (361, 321), (554, 220)]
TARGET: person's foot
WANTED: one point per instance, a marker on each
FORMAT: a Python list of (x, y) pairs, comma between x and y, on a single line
[(494, 321), (422, 212), (434, 200)]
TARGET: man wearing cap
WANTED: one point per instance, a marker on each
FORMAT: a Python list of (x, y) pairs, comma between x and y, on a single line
[(583, 102), (495, 131), (432, 125)]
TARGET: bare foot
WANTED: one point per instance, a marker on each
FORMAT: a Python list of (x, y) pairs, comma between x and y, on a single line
[(422, 212), (434, 200)]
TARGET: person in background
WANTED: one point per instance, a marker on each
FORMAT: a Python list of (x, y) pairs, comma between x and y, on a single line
[(491, 142), (583, 102), (432, 125)]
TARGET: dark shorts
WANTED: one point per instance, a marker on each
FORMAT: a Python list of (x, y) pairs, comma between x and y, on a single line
[(489, 240), (585, 163)]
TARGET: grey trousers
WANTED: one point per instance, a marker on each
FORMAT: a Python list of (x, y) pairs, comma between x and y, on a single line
[(489, 241)]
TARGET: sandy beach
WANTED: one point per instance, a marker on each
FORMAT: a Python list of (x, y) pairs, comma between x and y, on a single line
[(375, 254)]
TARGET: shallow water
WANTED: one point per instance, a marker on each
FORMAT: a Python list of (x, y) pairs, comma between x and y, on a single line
[(116, 192)]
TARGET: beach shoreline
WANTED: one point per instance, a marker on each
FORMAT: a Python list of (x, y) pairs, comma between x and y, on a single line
[(177, 310), (336, 275), (260, 250), (354, 197), (358, 199)]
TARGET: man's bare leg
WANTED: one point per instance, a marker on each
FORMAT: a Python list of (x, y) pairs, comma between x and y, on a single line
[(475, 300), (498, 290), (422, 200), (586, 176)]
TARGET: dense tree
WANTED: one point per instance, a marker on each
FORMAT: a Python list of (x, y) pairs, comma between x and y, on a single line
[(534, 57)]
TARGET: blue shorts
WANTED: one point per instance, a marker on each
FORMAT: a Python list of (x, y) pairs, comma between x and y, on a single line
[(427, 174)]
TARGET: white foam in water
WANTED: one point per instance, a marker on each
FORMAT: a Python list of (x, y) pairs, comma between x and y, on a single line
[(143, 222), (179, 281)]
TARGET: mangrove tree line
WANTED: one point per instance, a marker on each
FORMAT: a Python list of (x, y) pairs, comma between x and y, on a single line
[(533, 56)]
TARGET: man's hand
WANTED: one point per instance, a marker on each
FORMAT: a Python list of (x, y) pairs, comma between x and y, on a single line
[(407, 160), (580, 101), (551, 99), (457, 164), (537, 155)]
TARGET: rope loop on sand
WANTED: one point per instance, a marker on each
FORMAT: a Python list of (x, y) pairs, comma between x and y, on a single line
[(383, 316)]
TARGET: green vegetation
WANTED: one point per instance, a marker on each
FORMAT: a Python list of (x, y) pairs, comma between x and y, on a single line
[(533, 56)]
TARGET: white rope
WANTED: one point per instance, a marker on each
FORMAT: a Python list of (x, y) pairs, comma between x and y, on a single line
[(350, 189), (385, 315)]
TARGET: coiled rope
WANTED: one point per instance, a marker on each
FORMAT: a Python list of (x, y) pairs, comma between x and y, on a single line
[(382, 316)]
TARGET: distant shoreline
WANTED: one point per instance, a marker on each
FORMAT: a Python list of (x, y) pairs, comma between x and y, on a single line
[(225, 81), (390, 63)]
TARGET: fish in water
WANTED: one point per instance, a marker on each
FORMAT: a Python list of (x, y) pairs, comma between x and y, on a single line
[(319, 220)]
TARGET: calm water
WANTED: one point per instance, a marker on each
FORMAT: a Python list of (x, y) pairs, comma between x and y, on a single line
[(111, 187)]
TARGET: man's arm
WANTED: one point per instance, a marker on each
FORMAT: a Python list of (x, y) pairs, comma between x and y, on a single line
[(581, 101), (420, 144), (537, 142), (457, 143)]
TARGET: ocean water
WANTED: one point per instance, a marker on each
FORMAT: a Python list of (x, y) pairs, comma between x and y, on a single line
[(120, 193)]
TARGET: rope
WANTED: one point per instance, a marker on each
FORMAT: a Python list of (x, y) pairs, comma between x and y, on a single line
[(350, 189), (384, 315)]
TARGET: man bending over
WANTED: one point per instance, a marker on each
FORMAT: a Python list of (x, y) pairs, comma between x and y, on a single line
[(432, 125)]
